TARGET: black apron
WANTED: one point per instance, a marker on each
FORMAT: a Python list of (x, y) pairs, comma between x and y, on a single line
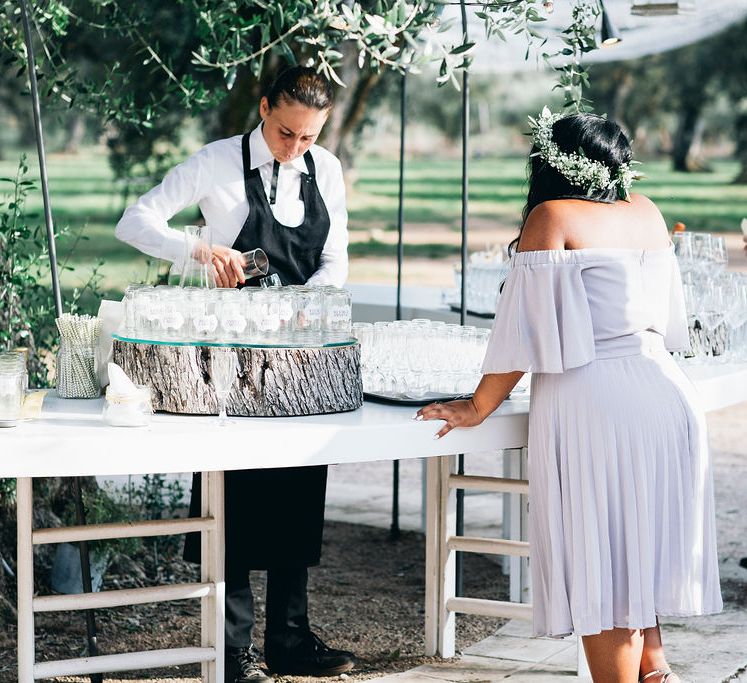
[(274, 517)]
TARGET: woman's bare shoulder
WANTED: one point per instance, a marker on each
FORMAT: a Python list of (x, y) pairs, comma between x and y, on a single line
[(544, 227), (648, 214)]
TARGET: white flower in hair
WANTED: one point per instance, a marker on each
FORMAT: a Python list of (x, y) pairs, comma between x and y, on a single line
[(576, 167)]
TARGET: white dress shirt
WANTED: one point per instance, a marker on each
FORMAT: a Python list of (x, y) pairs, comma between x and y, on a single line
[(213, 178)]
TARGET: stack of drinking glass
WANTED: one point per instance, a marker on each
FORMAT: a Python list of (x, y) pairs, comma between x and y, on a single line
[(13, 385), (295, 315), (716, 300), (420, 358), (485, 272)]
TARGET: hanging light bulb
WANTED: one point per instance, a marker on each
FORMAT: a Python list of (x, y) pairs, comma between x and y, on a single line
[(610, 34), (661, 7)]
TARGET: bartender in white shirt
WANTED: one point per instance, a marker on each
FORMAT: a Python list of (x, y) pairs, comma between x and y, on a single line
[(274, 189)]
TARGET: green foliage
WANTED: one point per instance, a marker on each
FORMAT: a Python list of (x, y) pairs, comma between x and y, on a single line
[(104, 506), (26, 306), (579, 38), (156, 498), (132, 78), (153, 498)]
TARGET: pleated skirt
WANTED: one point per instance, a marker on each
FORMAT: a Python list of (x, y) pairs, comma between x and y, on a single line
[(621, 510)]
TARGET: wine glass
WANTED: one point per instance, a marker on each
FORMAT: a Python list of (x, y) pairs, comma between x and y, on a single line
[(223, 369), (683, 249), (719, 254)]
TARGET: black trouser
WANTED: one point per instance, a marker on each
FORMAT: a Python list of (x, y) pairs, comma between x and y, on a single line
[(286, 621)]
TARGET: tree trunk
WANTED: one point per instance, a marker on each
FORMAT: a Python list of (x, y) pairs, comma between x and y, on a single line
[(740, 124), (350, 106), (686, 138), (271, 381), (76, 131)]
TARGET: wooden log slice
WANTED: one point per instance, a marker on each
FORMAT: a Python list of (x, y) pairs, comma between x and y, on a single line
[(271, 381)]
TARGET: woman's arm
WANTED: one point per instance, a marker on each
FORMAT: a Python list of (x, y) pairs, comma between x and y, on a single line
[(490, 393)]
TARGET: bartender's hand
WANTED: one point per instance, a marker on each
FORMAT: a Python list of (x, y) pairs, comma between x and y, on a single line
[(229, 266), (456, 414)]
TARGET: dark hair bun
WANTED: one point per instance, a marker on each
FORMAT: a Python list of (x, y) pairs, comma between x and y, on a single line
[(600, 139), (303, 85)]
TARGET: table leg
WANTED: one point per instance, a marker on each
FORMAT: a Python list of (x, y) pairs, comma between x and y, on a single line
[(525, 582), (212, 570), (25, 569), (512, 470), (432, 554), (439, 560)]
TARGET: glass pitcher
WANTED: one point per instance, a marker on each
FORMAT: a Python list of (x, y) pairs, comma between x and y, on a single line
[(197, 267)]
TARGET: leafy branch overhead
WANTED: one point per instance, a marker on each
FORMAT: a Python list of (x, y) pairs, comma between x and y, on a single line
[(193, 54)]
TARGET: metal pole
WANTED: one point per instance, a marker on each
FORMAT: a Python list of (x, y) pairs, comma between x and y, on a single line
[(463, 307), (52, 249), (85, 566), (394, 530), (401, 208), (42, 159)]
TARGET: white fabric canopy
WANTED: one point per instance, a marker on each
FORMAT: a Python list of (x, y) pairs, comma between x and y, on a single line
[(641, 35)]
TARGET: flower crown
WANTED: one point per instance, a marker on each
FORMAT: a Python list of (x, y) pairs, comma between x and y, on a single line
[(576, 167)]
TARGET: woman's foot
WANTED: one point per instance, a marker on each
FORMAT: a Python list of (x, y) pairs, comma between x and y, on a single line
[(660, 676)]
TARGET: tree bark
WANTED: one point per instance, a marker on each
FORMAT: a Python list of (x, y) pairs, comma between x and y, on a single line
[(271, 381)]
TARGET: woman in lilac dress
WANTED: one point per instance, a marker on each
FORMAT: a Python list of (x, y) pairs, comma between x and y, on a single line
[(622, 524)]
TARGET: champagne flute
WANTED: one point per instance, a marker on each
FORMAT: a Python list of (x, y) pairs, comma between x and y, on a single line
[(223, 369)]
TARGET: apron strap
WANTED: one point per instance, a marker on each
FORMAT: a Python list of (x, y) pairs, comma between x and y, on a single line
[(310, 167), (249, 172)]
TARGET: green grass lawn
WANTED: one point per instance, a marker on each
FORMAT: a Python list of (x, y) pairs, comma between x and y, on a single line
[(85, 197)]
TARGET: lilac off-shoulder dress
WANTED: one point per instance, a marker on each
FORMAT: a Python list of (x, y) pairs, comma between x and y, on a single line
[(621, 511)]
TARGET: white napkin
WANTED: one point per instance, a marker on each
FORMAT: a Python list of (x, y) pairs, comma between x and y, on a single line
[(111, 314), (119, 383)]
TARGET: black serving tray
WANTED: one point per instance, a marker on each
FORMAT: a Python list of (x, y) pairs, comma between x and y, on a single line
[(399, 400)]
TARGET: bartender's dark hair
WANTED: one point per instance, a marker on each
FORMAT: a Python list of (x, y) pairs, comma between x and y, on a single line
[(301, 84)]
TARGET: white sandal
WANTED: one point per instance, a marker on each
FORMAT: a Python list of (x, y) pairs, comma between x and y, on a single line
[(658, 672)]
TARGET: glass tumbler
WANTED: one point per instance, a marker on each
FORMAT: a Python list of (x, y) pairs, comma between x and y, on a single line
[(11, 395), (130, 325), (255, 263), (307, 315), (265, 315), (173, 321), (202, 320), (232, 314), (336, 315), (285, 298)]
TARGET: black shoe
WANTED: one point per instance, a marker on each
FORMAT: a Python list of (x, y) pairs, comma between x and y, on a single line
[(242, 666), (311, 658)]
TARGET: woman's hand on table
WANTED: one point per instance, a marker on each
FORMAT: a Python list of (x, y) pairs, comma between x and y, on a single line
[(490, 393), (229, 266), (456, 414)]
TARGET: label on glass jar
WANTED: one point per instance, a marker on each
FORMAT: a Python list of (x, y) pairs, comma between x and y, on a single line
[(172, 320), (313, 312), (204, 324), (156, 311), (233, 323), (269, 318), (285, 310), (339, 315)]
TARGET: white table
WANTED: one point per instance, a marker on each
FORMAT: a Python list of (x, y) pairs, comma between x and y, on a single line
[(70, 439)]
